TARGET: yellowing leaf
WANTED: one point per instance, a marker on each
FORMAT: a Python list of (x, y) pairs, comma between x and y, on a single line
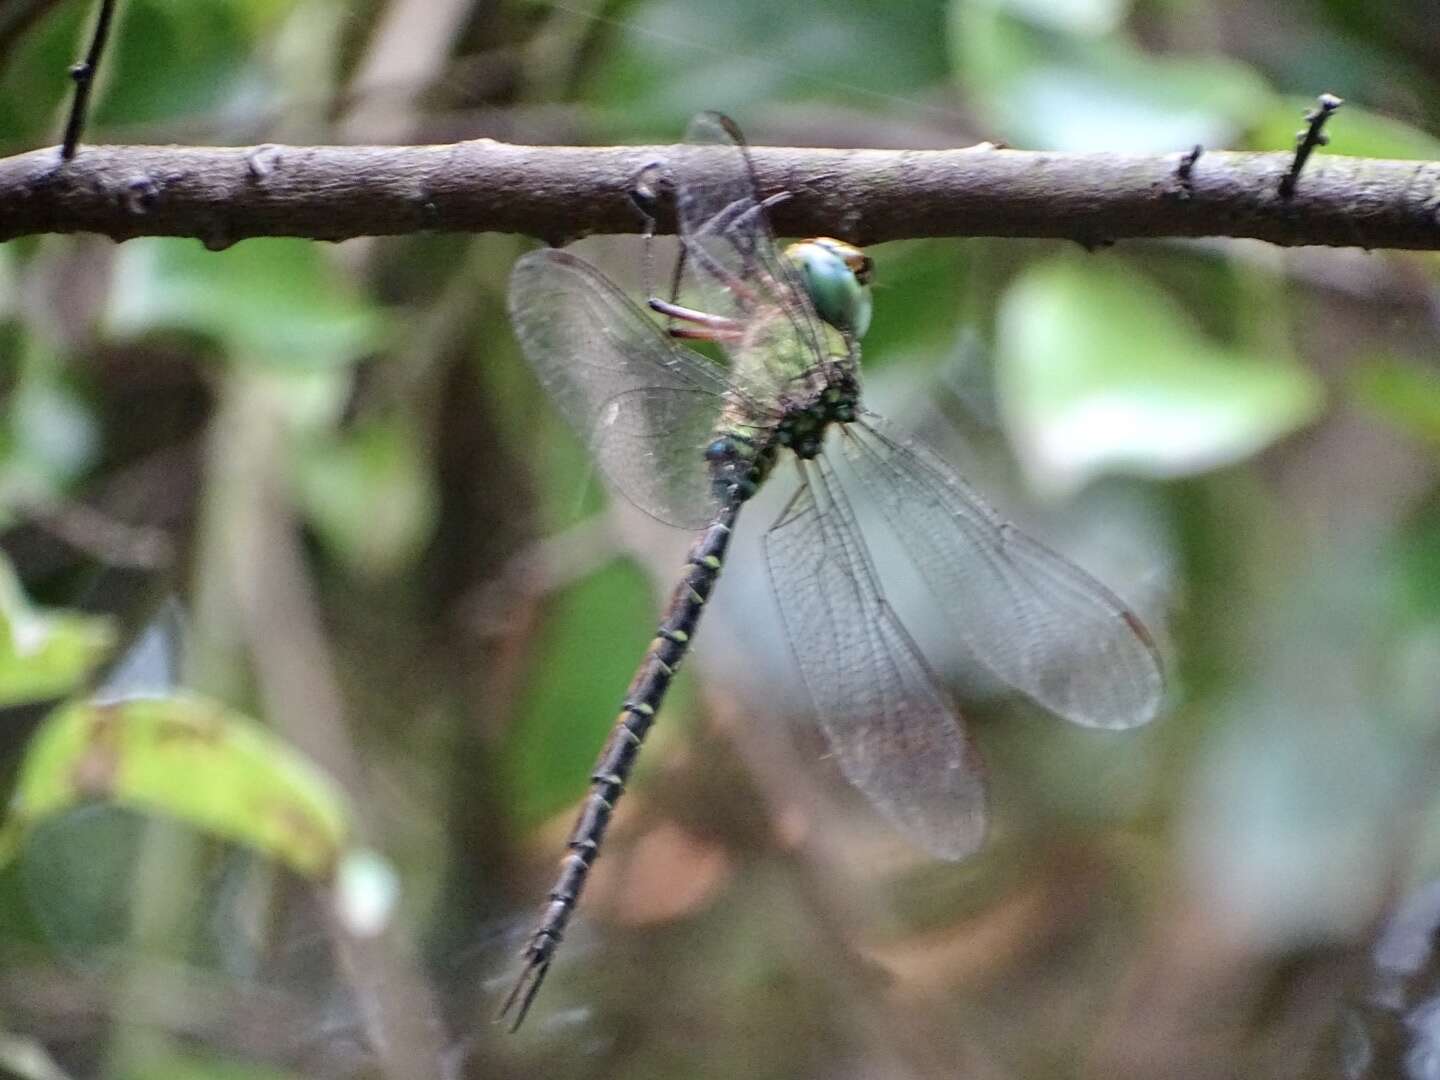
[(192, 759), (45, 654)]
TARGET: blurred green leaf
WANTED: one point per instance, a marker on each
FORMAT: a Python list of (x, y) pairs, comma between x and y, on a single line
[(1045, 85), (916, 285), (169, 59), (1098, 370), (593, 637), (277, 301), (674, 58), (191, 759), (1088, 18), (45, 654), (51, 435), (370, 494), (176, 1063), (1419, 562), (9, 286), (1311, 761), (33, 77), (1406, 395), (1352, 131), (76, 871), (48, 435)]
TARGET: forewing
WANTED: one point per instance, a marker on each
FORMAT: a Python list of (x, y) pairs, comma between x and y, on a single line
[(1037, 621), (895, 735), (729, 254), (644, 405)]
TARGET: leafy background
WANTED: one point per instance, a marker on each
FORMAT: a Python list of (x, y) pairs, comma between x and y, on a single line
[(341, 615)]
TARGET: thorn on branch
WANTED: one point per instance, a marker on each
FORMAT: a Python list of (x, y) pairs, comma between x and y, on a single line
[(84, 75), (140, 194), (215, 235), (1308, 139), (263, 160), (645, 192), (1186, 167)]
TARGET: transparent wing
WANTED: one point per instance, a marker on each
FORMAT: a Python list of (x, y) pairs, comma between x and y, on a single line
[(895, 735), (1037, 621), (644, 405), (729, 254)]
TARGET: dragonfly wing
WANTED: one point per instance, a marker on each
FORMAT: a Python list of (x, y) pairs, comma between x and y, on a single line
[(650, 444), (895, 735), (1037, 621), (644, 405), (729, 253)]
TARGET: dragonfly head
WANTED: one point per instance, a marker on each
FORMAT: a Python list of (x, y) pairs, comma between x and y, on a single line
[(837, 277)]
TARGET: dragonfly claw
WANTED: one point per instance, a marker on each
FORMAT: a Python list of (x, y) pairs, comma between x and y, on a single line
[(522, 994)]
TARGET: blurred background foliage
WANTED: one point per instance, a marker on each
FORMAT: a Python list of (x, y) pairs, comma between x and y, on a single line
[(341, 615)]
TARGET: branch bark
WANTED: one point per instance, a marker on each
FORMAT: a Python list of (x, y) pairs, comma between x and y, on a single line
[(225, 194)]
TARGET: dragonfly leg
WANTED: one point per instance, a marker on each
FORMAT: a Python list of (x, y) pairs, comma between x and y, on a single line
[(737, 221), (743, 293), (761, 209), (645, 196), (706, 327)]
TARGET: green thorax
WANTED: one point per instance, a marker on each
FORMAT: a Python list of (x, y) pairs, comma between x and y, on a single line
[(790, 387)]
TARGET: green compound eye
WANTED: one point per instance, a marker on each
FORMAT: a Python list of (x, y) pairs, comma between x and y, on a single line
[(837, 276)]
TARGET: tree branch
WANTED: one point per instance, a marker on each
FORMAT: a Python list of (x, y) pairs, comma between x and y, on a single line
[(222, 195)]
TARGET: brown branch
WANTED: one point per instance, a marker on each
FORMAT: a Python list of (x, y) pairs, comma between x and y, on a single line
[(222, 195)]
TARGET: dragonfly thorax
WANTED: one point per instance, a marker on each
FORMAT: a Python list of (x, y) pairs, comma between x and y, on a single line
[(832, 399), (741, 457), (835, 278)]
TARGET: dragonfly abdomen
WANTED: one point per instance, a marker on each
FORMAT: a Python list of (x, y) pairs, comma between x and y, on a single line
[(739, 463), (617, 759)]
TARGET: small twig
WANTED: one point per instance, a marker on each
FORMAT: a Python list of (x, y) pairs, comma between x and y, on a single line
[(114, 543), (84, 75), (1308, 139)]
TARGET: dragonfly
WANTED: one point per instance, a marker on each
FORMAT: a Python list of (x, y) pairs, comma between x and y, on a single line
[(689, 440)]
